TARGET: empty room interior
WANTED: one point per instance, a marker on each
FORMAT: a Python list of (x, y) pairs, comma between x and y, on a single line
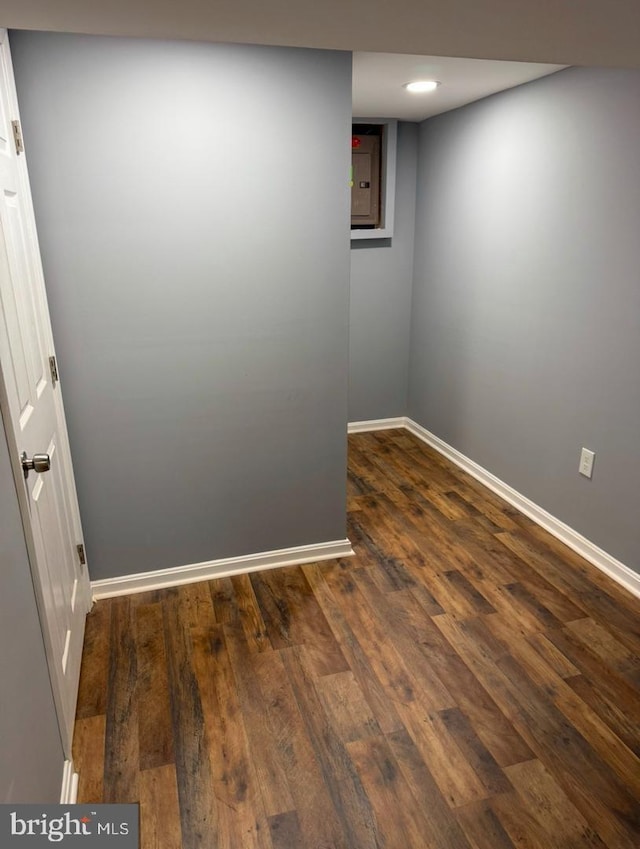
[(348, 460)]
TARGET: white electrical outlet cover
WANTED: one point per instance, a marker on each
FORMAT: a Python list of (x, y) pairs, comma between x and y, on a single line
[(586, 462)]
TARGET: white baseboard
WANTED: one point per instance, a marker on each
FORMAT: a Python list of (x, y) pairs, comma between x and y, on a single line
[(69, 791), (144, 581), (376, 424), (616, 570), (178, 575)]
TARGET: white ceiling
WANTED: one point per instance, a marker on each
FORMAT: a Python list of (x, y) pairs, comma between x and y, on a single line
[(378, 80), (571, 32)]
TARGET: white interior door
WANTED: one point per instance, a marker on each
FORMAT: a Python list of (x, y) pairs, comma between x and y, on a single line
[(34, 421)]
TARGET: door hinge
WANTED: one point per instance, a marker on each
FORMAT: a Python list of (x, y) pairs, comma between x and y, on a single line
[(17, 137), (53, 368), (81, 555)]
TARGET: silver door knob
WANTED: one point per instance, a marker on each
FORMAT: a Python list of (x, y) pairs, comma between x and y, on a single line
[(39, 463)]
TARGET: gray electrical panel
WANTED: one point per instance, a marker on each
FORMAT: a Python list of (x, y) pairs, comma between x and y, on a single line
[(365, 179)]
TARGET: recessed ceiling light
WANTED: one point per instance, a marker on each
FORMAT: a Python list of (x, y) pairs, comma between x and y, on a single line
[(422, 86)]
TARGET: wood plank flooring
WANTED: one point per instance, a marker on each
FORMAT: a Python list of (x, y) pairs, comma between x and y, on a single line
[(464, 682)]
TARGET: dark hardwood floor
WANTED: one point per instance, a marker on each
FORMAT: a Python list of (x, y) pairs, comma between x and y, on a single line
[(465, 681)]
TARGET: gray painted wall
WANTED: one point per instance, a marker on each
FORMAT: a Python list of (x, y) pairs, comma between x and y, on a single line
[(526, 310), (31, 756), (192, 206), (380, 317)]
